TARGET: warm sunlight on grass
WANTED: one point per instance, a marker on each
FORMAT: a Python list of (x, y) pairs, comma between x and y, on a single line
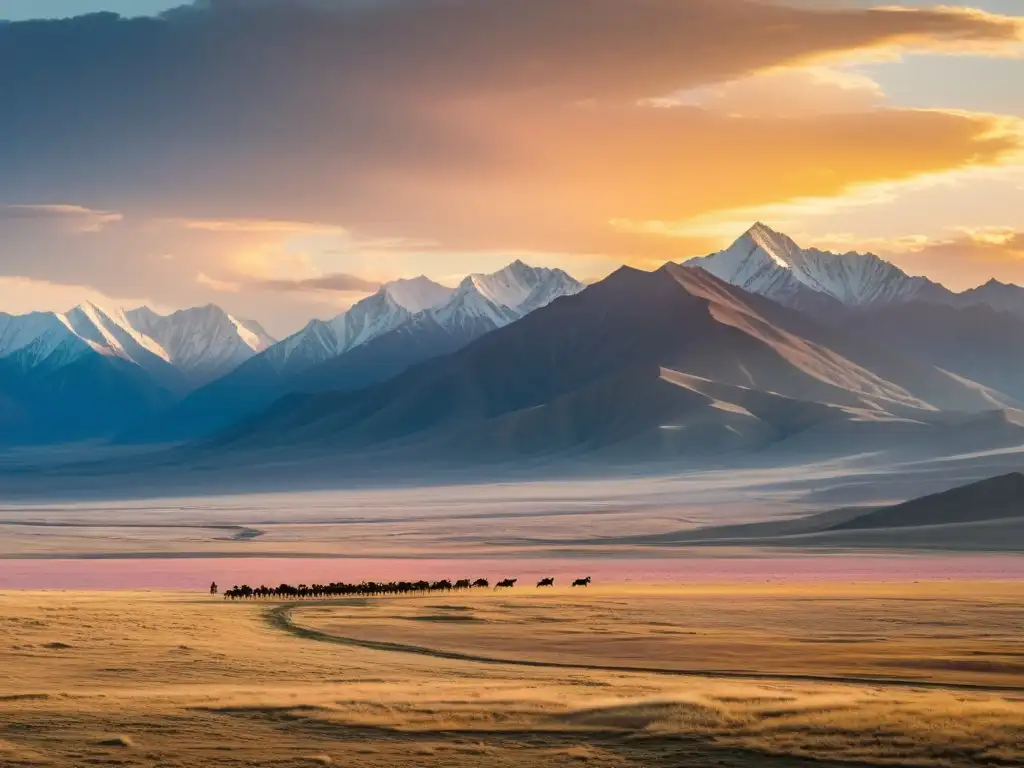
[(173, 679)]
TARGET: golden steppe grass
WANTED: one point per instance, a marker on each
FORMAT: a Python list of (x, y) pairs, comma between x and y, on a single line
[(162, 679)]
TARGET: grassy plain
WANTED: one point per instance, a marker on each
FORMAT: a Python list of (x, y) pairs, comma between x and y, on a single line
[(754, 675)]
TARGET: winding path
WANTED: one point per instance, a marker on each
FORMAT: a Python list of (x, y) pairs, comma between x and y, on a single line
[(280, 617)]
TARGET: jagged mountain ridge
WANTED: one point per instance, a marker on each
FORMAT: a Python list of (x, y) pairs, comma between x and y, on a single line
[(92, 372), (182, 349), (771, 264), (51, 340), (402, 324), (1004, 297), (391, 306), (977, 334), (479, 305), (480, 302), (651, 364), (205, 342)]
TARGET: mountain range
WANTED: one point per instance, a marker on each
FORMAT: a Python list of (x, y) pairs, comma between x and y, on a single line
[(644, 364), (403, 323), (91, 372), (762, 346), (976, 334), (771, 264)]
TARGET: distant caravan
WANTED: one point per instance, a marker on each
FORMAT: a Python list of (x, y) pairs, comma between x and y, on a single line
[(582, 582), (341, 589)]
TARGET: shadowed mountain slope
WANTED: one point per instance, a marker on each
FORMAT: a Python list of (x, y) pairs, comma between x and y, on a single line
[(1004, 297), (420, 339), (93, 396), (994, 499), (977, 342), (987, 515)]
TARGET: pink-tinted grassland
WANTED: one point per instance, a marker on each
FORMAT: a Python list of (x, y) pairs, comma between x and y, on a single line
[(189, 573)]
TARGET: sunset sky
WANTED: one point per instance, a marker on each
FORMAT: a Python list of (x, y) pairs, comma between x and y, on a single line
[(282, 157)]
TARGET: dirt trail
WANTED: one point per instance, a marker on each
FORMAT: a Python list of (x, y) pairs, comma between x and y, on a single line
[(280, 617)]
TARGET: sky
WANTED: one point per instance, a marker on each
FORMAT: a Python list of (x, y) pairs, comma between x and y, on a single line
[(282, 158)]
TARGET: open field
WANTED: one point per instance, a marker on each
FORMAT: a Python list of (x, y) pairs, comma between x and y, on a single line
[(911, 632), (519, 678)]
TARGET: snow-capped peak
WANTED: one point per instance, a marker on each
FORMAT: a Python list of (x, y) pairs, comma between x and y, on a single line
[(201, 343), (205, 342), (509, 287), (52, 340), (393, 304), (111, 331), (257, 337), (476, 301), (418, 293), (779, 247), (504, 296), (20, 331), (770, 263), (480, 301)]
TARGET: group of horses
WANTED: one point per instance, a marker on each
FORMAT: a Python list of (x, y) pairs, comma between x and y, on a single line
[(371, 588)]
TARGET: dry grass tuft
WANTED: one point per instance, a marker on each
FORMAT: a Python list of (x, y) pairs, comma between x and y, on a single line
[(580, 753), (125, 742)]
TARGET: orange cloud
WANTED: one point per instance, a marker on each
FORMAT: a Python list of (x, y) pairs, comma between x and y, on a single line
[(257, 226), (785, 92), (970, 258), (575, 181), (440, 131)]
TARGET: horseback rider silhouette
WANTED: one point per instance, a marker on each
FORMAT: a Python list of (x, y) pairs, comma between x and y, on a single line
[(213, 588)]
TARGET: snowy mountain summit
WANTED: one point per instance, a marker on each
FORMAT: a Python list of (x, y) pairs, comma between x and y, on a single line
[(495, 300), (53, 340), (481, 302), (391, 306), (769, 263), (205, 342), (181, 350)]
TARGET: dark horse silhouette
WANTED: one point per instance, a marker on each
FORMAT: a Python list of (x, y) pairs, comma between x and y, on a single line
[(213, 588), (549, 582), (341, 589), (582, 582), (508, 583)]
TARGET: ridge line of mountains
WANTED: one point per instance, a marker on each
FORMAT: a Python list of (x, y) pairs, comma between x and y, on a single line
[(764, 345)]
